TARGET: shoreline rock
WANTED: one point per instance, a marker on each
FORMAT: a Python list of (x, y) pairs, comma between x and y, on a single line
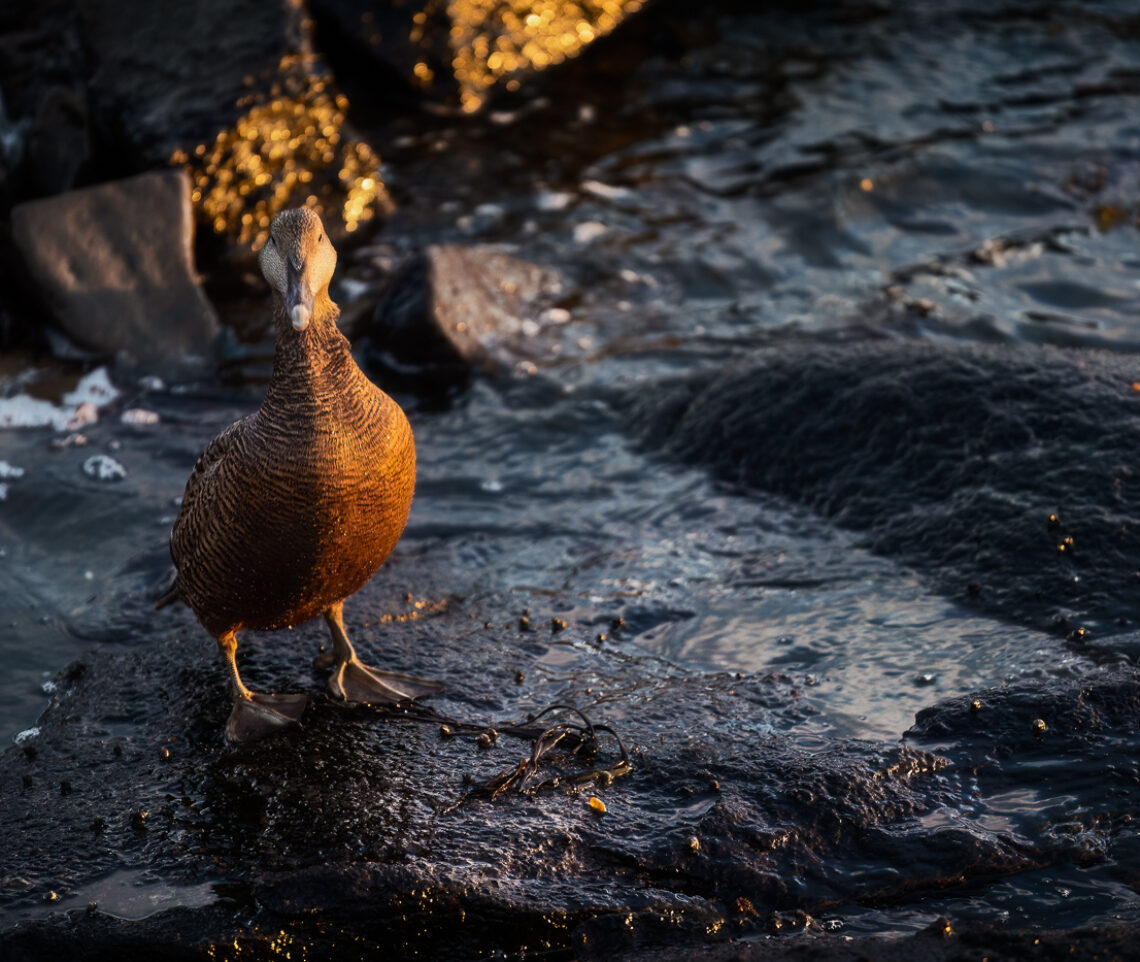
[(114, 265)]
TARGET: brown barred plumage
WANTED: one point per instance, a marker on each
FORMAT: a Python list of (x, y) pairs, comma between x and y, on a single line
[(292, 509)]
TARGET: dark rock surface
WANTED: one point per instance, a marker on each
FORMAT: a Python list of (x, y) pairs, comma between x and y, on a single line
[(114, 264), (952, 459), (455, 310), (383, 43), (167, 78), (347, 832), (440, 53), (42, 69)]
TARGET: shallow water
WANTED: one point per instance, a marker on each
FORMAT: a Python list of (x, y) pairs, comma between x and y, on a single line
[(938, 173)]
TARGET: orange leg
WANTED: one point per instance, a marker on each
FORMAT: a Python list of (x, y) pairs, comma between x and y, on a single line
[(353, 680), (256, 715)]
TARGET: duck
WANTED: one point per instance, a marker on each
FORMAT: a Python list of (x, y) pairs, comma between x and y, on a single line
[(292, 509)]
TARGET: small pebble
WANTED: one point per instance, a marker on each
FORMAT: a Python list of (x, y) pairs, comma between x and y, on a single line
[(519, 677), (597, 805), (139, 416), (588, 231), (85, 414), (693, 844), (524, 623), (70, 441), (1039, 726), (555, 315), (557, 625)]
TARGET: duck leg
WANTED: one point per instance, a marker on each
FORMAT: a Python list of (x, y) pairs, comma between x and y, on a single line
[(353, 680), (256, 715)]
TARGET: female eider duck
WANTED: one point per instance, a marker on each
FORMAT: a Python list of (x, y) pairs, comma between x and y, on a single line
[(293, 508)]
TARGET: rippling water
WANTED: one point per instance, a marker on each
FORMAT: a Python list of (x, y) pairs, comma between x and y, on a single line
[(942, 173)]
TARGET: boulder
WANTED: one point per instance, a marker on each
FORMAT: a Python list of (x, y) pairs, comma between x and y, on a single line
[(114, 265), (46, 139), (460, 54), (456, 310), (1006, 473), (168, 77)]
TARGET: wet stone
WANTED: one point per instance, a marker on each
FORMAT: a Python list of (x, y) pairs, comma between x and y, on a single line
[(148, 85), (114, 264), (318, 824), (454, 311), (859, 432)]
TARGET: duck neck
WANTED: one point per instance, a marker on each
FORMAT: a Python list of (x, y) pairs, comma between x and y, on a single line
[(303, 360)]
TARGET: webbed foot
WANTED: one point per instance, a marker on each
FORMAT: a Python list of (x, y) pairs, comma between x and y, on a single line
[(256, 715), (353, 680)]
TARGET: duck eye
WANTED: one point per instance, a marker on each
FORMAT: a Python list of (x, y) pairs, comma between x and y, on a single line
[(272, 242)]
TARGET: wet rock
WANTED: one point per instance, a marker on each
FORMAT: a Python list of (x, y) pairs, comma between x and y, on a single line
[(355, 820), (44, 116), (57, 144), (459, 55), (952, 459), (457, 310), (163, 79), (114, 264), (389, 40)]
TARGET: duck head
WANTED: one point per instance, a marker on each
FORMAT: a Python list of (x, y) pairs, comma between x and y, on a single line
[(298, 261)]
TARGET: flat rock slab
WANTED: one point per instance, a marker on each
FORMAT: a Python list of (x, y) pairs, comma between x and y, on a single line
[(130, 822), (114, 263)]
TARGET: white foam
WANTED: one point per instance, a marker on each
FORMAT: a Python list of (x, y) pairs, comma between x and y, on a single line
[(26, 735), (103, 467), (77, 407)]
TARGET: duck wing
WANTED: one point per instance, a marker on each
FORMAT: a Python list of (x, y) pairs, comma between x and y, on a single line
[(201, 494)]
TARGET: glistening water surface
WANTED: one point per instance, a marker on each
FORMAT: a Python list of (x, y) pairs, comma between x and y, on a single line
[(797, 180)]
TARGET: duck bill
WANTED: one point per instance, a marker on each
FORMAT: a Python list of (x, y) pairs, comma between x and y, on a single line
[(298, 294)]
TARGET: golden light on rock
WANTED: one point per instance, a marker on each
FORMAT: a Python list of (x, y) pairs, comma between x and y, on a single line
[(491, 39), (272, 154)]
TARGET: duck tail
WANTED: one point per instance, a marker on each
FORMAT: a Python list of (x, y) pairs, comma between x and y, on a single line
[(171, 594)]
